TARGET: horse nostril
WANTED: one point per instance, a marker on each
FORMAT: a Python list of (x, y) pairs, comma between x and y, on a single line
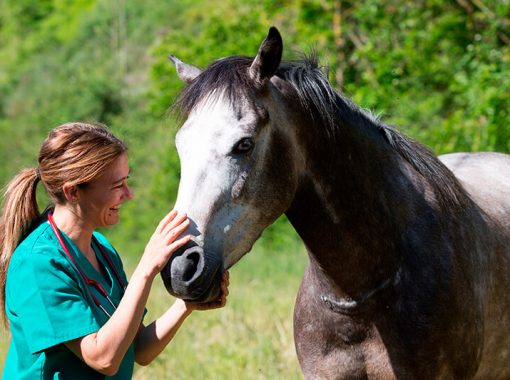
[(184, 270), (191, 276), (191, 265)]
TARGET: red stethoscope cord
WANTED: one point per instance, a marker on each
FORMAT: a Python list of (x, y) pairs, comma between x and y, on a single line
[(89, 281)]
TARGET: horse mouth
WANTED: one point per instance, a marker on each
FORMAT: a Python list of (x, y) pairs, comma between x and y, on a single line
[(211, 293), (192, 275)]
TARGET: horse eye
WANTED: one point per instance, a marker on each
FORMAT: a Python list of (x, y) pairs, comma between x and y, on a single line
[(244, 146)]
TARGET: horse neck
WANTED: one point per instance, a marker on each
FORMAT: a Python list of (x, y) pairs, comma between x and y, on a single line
[(344, 210)]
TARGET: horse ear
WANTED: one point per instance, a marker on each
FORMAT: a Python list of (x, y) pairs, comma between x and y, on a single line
[(268, 58), (186, 72)]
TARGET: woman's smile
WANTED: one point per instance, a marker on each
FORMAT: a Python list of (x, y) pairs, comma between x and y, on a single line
[(103, 198)]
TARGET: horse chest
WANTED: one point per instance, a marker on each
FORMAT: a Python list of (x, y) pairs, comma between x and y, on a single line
[(372, 344), (341, 347), (332, 345)]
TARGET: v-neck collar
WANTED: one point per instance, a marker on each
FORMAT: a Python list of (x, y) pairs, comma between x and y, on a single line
[(87, 267)]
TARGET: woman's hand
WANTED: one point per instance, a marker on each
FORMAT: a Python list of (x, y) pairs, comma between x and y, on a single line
[(164, 242), (220, 302)]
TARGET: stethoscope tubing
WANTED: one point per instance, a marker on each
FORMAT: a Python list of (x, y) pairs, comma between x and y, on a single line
[(89, 281)]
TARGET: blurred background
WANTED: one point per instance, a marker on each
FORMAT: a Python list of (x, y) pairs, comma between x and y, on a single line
[(438, 70)]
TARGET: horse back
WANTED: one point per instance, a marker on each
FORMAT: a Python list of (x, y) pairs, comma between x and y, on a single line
[(486, 177)]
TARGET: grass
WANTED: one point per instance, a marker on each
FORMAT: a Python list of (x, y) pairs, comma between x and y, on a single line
[(251, 338)]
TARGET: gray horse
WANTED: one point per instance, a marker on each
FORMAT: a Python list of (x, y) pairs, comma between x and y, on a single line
[(409, 255)]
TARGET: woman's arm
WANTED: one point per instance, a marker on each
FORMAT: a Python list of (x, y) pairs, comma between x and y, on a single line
[(105, 349), (151, 340)]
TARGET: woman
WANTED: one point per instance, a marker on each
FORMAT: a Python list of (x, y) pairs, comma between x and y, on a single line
[(71, 310)]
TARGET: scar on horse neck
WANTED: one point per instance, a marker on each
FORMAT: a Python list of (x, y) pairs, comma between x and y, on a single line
[(351, 306)]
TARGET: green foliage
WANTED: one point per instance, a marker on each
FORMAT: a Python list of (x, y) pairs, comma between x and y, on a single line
[(437, 70)]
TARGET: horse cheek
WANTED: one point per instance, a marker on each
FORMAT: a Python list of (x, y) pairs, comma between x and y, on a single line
[(277, 181)]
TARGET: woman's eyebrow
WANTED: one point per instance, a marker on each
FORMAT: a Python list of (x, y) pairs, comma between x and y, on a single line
[(122, 179)]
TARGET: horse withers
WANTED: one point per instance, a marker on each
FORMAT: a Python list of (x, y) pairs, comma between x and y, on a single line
[(409, 254)]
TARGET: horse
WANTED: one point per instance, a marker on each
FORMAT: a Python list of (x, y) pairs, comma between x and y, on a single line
[(408, 253)]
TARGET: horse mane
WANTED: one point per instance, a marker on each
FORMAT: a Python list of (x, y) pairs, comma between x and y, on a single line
[(229, 76), (327, 107)]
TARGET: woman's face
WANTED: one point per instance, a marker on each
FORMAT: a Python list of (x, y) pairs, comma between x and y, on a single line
[(101, 199)]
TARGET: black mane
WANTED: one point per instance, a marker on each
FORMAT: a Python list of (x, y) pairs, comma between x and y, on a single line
[(327, 108), (227, 75)]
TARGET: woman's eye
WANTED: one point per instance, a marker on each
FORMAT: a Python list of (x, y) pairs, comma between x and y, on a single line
[(121, 185), (244, 146)]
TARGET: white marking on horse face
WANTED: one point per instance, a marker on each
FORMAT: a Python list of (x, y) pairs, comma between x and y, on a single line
[(212, 179), (231, 197), (203, 147)]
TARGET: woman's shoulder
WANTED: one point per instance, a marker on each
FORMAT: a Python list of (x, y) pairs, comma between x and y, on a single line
[(40, 242)]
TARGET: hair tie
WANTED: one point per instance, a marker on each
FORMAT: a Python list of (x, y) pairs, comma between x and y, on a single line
[(37, 174)]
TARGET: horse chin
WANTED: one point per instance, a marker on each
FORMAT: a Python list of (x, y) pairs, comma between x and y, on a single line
[(211, 294)]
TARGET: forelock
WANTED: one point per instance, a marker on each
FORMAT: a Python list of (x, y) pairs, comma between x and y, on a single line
[(225, 77)]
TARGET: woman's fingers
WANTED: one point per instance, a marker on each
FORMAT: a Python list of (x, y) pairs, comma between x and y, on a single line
[(168, 217), (176, 221), (175, 232), (225, 283), (220, 301), (224, 290), (172, 226), (172, 247)]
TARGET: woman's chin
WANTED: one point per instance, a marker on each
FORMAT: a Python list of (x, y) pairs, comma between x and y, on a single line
[(112, 219)]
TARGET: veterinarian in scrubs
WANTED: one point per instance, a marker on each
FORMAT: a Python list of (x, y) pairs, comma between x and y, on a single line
[(71, 311)]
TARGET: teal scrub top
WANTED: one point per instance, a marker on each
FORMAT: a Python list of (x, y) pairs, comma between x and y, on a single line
[(48, 303)]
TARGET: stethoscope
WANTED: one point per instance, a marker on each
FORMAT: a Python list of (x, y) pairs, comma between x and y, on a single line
[(89, 281)]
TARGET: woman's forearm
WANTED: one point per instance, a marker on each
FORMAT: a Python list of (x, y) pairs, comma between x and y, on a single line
[(105, 349), (152, 339), (118, 333)]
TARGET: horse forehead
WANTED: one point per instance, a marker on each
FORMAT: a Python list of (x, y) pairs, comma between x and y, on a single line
[(218, 115), (213, 127)]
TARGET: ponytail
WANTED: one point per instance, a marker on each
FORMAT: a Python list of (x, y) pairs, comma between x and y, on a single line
[(19, 212)]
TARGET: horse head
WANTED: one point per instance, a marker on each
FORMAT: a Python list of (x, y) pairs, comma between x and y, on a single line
[(239, 164)]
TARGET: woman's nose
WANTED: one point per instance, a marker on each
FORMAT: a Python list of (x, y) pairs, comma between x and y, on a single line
[(128, 193)]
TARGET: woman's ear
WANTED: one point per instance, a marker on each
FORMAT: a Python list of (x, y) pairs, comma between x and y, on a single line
[(71, 193)]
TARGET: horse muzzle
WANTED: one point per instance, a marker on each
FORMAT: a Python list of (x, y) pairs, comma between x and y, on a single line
[(192, 275)]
